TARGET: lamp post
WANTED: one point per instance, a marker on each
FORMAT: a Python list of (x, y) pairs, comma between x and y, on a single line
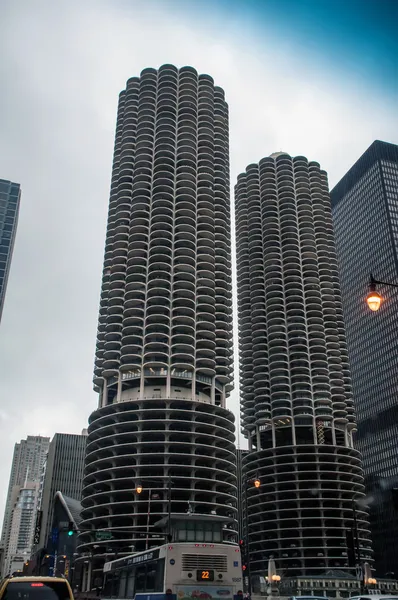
[(256, 484), (374, 299), (139, 489), (356, 533)]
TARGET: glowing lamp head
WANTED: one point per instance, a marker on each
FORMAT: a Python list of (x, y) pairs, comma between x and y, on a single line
[(374, 300), (138, 489), (257, 483)]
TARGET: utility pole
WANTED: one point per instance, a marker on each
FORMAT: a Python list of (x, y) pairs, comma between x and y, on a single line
[(55, 564), (169, 535), (147, 519), (358, 550)]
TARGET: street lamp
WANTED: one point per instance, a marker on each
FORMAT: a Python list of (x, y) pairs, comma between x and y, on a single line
[(139, 489), (256, 484), (373, 298)]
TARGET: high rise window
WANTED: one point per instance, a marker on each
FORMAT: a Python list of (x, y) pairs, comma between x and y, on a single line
[(365, 216)]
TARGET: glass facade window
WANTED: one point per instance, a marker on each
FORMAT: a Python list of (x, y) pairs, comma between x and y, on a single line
[(365, 216), (9, 206)]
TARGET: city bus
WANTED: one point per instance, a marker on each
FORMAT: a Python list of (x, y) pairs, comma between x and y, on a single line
[(176, 571)]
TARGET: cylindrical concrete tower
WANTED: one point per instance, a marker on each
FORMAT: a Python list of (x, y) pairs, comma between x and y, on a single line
[(297, 408), (164, 350)]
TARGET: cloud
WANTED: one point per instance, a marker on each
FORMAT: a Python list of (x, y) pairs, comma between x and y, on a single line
[(65, 65)]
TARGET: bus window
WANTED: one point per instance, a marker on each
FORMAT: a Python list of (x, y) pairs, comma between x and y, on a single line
[(115, 584), (159, 576), (150, 579), (140, 578), (130, 584), (107, 592), (122, 584), (200, 535)]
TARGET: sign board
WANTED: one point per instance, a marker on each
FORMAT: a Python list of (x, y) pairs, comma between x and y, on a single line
[(36, 538), (131, 560), (103, 535)]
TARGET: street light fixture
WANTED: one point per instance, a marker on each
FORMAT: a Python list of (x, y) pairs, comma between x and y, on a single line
[(256, 483), (374, 299), (139, 489)]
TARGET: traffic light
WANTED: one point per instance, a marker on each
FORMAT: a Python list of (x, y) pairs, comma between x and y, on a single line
[(242, 546), (71, 529)]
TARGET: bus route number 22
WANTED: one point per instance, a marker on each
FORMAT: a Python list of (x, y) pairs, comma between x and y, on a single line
[(205, 575)]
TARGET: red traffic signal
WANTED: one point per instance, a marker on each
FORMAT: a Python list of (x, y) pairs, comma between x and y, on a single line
[(244, 567)]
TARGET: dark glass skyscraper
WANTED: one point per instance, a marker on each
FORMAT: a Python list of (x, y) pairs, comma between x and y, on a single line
[(64, 473), (163, 365), (365, 215), (297, 408), (9, 207)]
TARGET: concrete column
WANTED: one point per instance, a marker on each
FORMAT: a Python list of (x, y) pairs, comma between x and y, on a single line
[(314, 431), (193, 386), (104, 395), (273, 435), (119, 388), (89, 571), (168, 383), (333, 434), (293, 433), (346, 437), (213, 391), (258, 442)]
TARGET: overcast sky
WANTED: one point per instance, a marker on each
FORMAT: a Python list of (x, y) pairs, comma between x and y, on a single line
[(312, 77)]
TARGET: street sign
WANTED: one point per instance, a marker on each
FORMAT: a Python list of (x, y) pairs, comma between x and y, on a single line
[(36, 538), (103, 535)]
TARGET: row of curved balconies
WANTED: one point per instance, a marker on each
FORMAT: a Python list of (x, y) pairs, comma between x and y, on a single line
[(197, 108), (189, 415), (309, 493), (146, 113), (149, 442), (320, 307)]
